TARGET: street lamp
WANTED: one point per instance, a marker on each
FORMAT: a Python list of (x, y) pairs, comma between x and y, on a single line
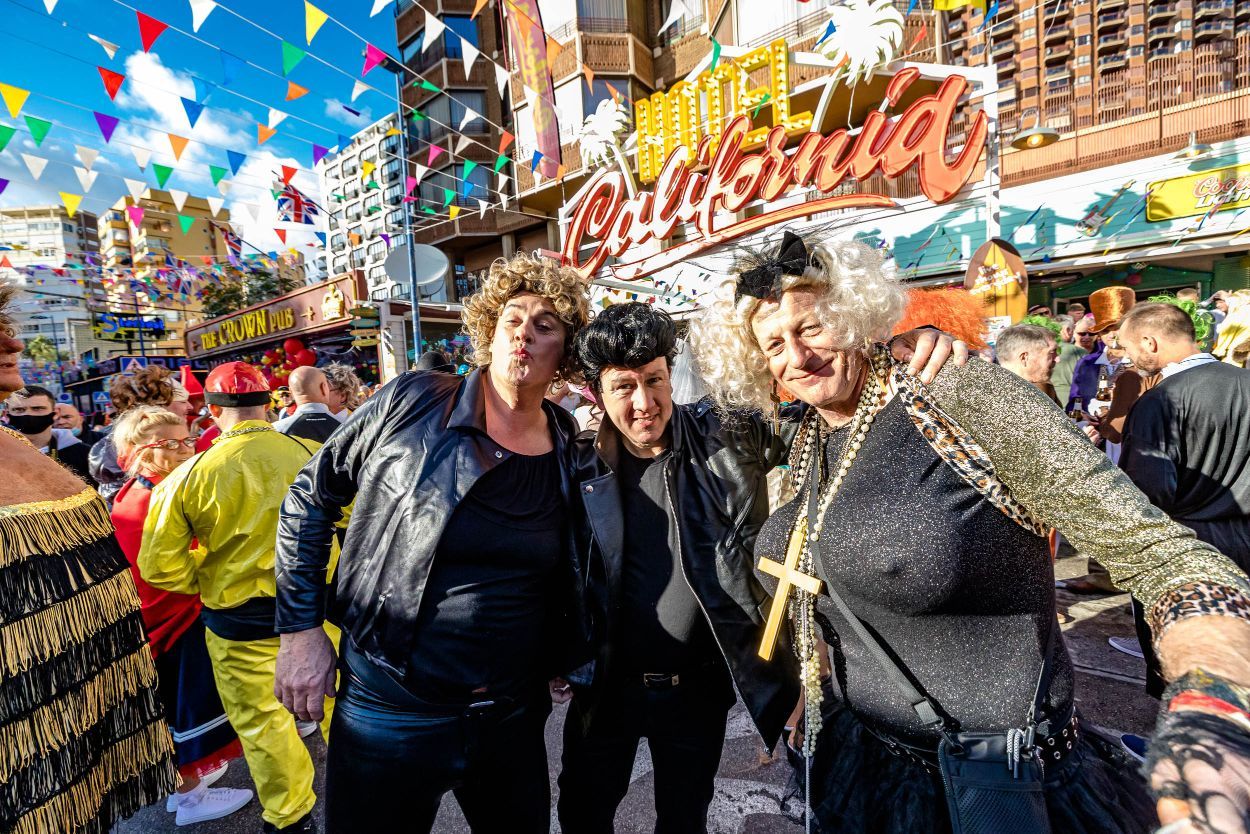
[(1035, 137), (1195, 151)]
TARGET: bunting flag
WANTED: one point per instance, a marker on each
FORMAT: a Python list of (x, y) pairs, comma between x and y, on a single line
[(467, 188), (318, 153), (538, 157), (281, 233), (829, 30), (410, 183), (178, 144), (186, 223), (291, 56), (5, 262), (461, 144), (263, 133), (504, 142), (38, 129), (374, 56), (230, 67), (344, 141), (276, 117), (112, 83), (179, 198), (71, 202), (200, 10), (615, 93), (448, 196), (481, 209), (469, 115), (379, 5), (433, 30), (358, 88), (367, 168), (676, 13), (287, 173), (427, 85), (911, 7), (314, 19), (470, 53), (294, 91), (162, 173), (235, 160), (421, 171), (34, 164), (217, 173), (136, 189), (478, 5), (351, 110), (590, 77), (223, 187), (214, 205), (86, 178), (990, 13), (87, 156), (149, 30), (716, 52), (553, 49), (501, 78), (194, 109), (110, 48), (920, 36), (454, 212), (14, 98), (6, 133), (500, 161), (435, 150), (141, 155)]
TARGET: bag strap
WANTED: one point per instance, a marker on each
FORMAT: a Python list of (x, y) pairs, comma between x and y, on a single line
[(925, 708)]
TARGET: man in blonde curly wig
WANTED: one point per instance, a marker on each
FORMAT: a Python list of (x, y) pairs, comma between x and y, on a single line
[(458, 588)]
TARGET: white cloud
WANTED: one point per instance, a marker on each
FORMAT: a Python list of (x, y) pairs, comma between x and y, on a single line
[(334, 110)]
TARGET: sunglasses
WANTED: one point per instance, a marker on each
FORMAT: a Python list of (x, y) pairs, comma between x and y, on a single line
[(169, 445)]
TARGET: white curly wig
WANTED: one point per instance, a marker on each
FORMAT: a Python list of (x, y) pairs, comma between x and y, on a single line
[(861, 300)]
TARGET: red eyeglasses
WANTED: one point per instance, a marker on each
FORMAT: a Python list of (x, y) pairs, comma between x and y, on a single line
[(169, 445)]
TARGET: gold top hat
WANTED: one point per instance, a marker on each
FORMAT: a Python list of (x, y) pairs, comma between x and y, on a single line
[(1109, 305)]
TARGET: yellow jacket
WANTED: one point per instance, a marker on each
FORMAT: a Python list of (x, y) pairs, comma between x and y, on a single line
[(227, 498)]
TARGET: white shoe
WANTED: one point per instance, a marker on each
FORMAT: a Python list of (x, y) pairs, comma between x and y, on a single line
[(203, 804), (1128, 645), (307, 728), (171, 804)]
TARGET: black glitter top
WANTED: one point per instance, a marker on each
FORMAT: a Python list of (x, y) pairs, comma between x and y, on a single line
[(957, 591)]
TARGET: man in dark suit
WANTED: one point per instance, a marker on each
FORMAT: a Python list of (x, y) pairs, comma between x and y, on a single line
[(312, 419)]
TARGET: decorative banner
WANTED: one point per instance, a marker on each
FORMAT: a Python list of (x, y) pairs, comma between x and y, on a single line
[(14, 98), (230, 68), (6, 134), (318, 153), (71, 202), (38, 129), (276, 117), (149, 30), (530, 45), (200, 10), (178, 144), (263, 134), (141, 155), (291, 56), (287, 173), (179, 198), (162, 173), (34, 164), (217, 173), (136, 189), (373, 57), (185, 223), (1193, 195), (478, 5), (433, 31), (453, 212), (214, 205), (3, 185), (112, 83), (314, 18), (469, 115), (110, 48), (235, 160), (470, 56), (462, 144), (997, 275), (86, 178), (86, 155), (435, 150), (501, 78), (136, 215), (294, 91), (358, 88), (379, 5)]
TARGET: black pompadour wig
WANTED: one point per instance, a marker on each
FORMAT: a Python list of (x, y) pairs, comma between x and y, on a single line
[(625, 336)]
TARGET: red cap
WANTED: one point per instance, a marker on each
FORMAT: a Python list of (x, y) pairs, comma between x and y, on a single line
[(236, 384)]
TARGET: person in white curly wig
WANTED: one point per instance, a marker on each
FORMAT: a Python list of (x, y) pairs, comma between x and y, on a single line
[(920, 525)]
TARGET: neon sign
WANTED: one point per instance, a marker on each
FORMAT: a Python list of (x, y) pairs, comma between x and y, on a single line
[(735, 176)]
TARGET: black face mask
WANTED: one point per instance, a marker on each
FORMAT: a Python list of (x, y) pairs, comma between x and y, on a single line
[(31, 424)]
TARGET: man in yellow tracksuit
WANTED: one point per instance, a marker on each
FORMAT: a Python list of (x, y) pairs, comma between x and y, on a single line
[(226, 499)]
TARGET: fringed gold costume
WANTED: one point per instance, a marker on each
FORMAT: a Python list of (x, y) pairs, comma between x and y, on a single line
[(82, 740)]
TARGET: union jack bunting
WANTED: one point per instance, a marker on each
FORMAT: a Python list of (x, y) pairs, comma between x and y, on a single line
[(295, 207), (234, 243)]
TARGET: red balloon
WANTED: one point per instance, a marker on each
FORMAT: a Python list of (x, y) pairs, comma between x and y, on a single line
[(292, 346), (306, 357)]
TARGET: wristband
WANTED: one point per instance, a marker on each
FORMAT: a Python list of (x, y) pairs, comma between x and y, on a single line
[(1200, 684)]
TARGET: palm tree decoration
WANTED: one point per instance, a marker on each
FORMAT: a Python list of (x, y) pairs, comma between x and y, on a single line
[(42, 350), (600, 140), (863, 36)]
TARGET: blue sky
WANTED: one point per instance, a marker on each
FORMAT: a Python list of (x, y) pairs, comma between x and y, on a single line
[(53, 58)]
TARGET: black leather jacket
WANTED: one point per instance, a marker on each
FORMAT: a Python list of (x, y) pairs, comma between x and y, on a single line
[(407, 457), (719, 497)]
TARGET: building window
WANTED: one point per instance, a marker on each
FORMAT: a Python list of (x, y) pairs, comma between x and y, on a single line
[(591, 99), (376, 275), (351, 189), (377, 250), (395, 220), (339, 265), (444, 115), (338, 241), (394, 194), (1029, 33), (461, 25), (451, 46), (1082, 80), (373, 200), (1082, 60), (1083, 40), (354, 211), (392, 169), (358, 258), (369, 155), (480, 177)]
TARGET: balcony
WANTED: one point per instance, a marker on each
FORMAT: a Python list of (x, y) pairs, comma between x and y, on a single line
[(1111, 61), (1004, 47), (1058, 72), (1210, 8), (1059, 53), (1111, 19), (1158, 11), (1159, 52), (1057, 33), (1112, 40), (1107, 5), (955, 26), (1213, 29), (1157, 32)]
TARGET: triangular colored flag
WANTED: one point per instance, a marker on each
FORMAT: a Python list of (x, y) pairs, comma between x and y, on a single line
[(321, 236), (6, 133), (149, 30), (318, 153), (469, 165), (110, 48), (287, 173), (448, 196), (14, 98), (478, 5), (615, 93), (4, 261), (112, 83), (410, 183), (200, 10), (162, 173), (263, 134), (378, 5), (715, 53), (71, 202), (214, 205), (553, 49), (230, 68), (276, 117), (421, 171), (590, 77), (344, 141), (142, 155), (481, 209), (501, 78), (427, 85), (185, 222), (504, 142), (291, 56), (314, 18), (281, 233), (462, 144), (194, 109), (416, 116), (433, 30), (179, 198), (87, 156), (367, 168), (34, 164), (470, 53), (990, 14), (351, 110), (235, 159), (920, 35), (86, 178), (466, 188), (358, 88), (503, 181), (911, 7), (38, 129), (217, 173), (454, 212), (178, 144), (500, 161), (373, 57), (469, 115), (435, 150), (294, 91), (537, 158), (767, 97), (676, 12), (136, 189)]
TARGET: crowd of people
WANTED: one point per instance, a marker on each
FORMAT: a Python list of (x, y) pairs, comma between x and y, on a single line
[(421, 571)]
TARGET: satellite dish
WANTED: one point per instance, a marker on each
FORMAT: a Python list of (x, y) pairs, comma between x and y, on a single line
[(431, 265)]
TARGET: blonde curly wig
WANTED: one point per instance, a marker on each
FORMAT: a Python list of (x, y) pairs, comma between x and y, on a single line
[(526, 274), (860, 301), (137, 427)]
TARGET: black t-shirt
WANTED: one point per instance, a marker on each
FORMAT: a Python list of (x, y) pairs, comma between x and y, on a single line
[(662, 628), (481, 628)]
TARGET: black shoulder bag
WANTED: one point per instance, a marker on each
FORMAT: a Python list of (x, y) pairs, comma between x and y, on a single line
[(993, 781)]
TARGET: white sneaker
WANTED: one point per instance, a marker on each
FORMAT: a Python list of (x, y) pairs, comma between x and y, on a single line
[(203, 804), (307, 728), (171, 804), (1128, 645)]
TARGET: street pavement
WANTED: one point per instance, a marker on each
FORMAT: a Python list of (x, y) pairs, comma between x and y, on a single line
[(752, 787)]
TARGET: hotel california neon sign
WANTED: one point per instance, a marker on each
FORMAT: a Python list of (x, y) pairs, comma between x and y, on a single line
[(701, 177)]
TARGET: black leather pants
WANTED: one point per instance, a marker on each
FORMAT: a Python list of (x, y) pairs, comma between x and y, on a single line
[(391, 759)]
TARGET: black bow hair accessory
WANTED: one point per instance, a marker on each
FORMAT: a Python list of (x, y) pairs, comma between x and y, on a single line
[(764, 279)]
